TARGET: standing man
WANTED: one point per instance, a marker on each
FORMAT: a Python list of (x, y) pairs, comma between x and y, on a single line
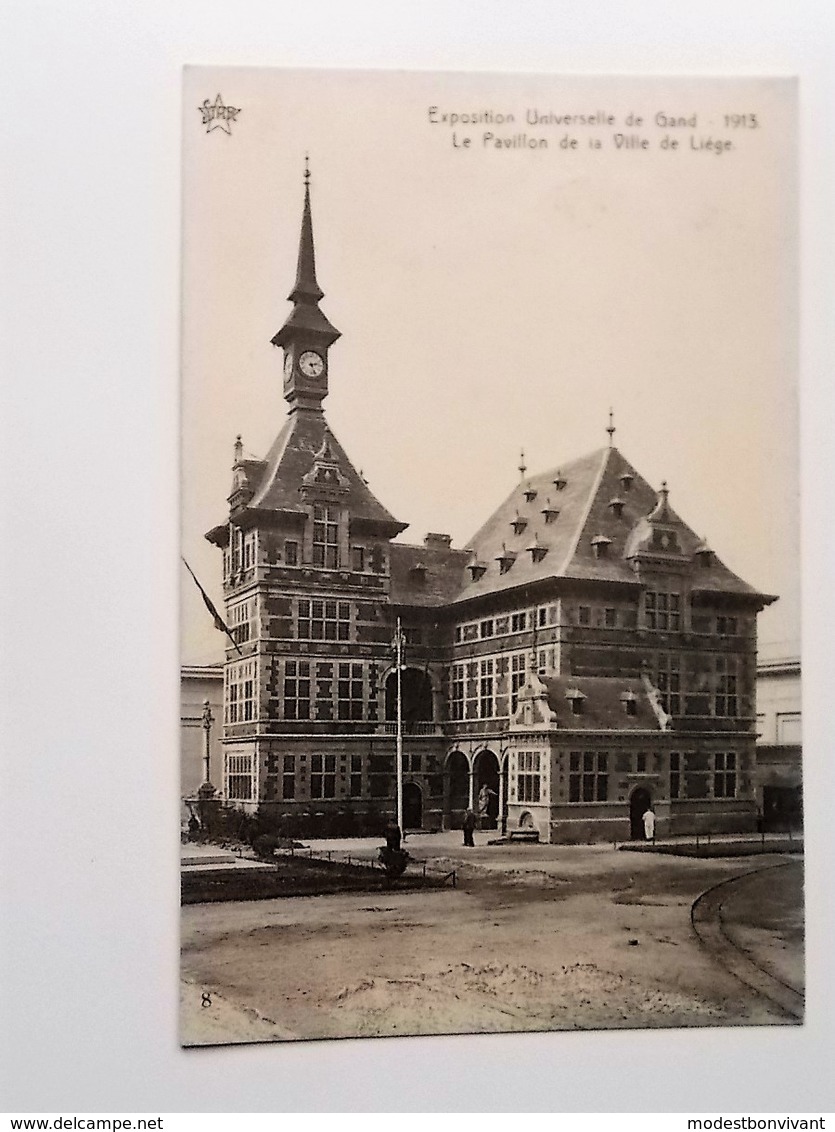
[(468, 826), (649, 824)]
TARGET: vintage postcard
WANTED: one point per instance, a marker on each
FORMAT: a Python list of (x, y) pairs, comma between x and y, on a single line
[(490, 681)]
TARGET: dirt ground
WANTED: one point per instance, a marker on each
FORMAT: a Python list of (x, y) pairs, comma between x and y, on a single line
[(533, 938)]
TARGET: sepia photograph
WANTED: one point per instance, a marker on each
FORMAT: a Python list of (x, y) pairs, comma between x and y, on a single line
[(490, 708)]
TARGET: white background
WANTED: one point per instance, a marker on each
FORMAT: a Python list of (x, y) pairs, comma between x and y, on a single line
[(89, 688)]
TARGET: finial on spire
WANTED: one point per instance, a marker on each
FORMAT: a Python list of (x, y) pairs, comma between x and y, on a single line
[(523, 467), (239, 449), (611, 427), (306, 170), (665, 491)]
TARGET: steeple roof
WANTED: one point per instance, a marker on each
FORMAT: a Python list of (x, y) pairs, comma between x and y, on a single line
[(306, 317)]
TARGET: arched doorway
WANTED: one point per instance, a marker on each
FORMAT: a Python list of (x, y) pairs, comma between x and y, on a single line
[(415, 696), (412, 806), (638, 803), (486, 788), (456, 789)]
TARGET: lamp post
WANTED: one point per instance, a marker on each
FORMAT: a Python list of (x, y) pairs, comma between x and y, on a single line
[(206, 790), (398, 649)]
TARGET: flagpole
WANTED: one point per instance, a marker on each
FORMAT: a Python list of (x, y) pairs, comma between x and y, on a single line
[(399, 655)]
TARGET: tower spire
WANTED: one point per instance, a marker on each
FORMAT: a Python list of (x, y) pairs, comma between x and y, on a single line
[(306, 289), (611, 428)]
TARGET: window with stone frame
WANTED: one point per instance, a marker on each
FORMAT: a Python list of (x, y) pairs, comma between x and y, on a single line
[(668, 682), (325, 536), (528, 776), (726, 700), (486, 699), (726, 626), (323, 776), (675, 774), (250, 547), (240, 778), (355, 780), (584, 615), (297, 689), (456, 691), (471, 690), (662, 610), (588, 777), (240, 620), (349, 691), (323, 620), (291, 552), (288, 778), (239, 701), (519, 621), (724, 774), (518, 663)]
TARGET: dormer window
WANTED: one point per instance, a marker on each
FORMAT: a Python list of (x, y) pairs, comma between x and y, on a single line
[(477, 570), (576, 698), (505, 560), (518, 523), (704, 555), (560, 481), (530, 494), (537, 551), (550, 513), (600, 545), (617, 505), (626, 481), (630, 703), (417, 573)]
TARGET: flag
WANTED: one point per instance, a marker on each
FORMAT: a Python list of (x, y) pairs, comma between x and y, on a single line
[(207, 601)]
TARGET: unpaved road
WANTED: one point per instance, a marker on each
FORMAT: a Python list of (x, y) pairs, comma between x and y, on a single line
[(542, 939)]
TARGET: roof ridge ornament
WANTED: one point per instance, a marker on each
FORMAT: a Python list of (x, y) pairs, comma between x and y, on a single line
[(611, 428)]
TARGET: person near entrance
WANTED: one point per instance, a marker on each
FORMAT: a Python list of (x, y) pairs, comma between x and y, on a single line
[(468, 827), (649, 824)]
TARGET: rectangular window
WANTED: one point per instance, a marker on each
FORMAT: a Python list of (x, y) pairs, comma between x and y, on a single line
[(456, 692), (517, 678), (239, 777), (471, 687), (588, 777), (249, 550), (528, 777), (542, 616), (470, 632), (724, 775), (584, 615), (349, 691), (485, 689), (675, 775), (355, 781), (291, 553), (358, 557), (726, 701), (323, 776), (288, 778), (726, 626), (240, 692), (486, 629), (610, 618), (297, 689), (240, 620), (668, 683), (663, 610), (323, 620), (640, 763), (518, 622), (325, 536)]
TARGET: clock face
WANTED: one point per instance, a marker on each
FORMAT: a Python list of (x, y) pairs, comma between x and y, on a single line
[(288, 364), (311, 364)]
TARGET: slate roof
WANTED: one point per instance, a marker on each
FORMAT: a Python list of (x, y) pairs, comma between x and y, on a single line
[(603, 500), (426, 575), (603, 708), (292, 457)]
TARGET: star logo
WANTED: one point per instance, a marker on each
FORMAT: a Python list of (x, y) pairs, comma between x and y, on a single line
[(216, 116)]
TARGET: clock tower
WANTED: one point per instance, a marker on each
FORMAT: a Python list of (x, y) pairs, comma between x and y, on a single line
[(307, 334)]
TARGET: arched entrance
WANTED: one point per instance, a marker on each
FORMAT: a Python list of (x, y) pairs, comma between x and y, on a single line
[(486, 788), (456, 789), (412, 806), (415, 696), (638, 803)]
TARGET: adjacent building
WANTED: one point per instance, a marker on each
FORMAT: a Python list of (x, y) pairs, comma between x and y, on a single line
[(585, 656)]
